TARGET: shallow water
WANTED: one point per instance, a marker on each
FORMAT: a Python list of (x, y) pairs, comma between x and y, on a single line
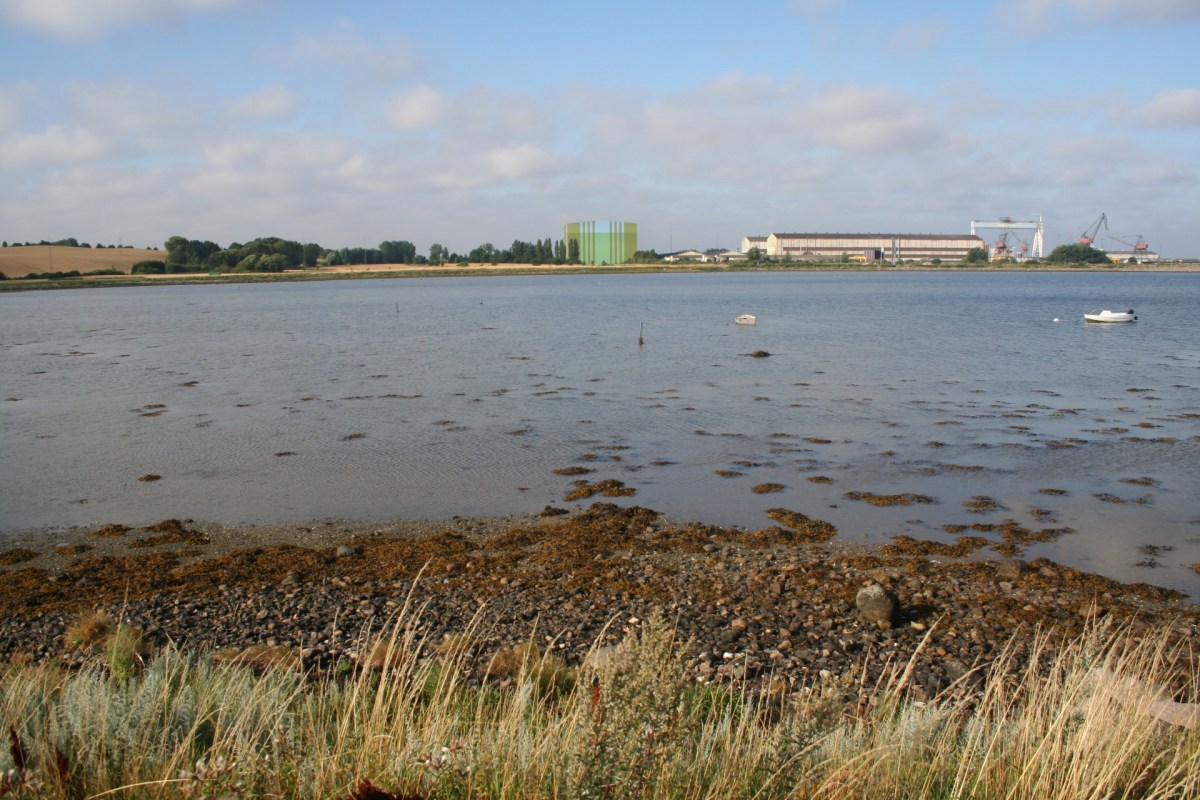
[(427, 398)]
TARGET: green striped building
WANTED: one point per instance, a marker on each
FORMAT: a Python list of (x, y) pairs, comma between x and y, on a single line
[(602, 241)]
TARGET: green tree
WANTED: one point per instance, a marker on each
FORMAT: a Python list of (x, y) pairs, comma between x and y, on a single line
[(1076, 254), (484, 253), (438, 253), (182, 252), (177, 250), (312, 251), (754, 255), (976, 255), (573, 251), (148, 267), (401, 252)]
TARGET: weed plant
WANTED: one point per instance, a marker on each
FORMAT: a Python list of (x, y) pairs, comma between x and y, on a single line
[(1050, 718)]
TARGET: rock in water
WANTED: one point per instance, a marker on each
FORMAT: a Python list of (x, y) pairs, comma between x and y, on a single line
[(876, 604)]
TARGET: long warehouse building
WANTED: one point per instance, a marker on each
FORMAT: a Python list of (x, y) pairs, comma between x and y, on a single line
[(892, 247)]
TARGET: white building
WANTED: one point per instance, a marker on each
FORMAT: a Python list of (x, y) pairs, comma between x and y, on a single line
[(893, 247), (1123, 256), (750, 242)]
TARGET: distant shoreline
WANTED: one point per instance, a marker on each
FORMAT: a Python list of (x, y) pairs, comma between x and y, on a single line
[(378, 271)]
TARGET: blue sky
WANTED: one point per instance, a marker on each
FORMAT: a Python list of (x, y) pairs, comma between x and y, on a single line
[(460, 123)]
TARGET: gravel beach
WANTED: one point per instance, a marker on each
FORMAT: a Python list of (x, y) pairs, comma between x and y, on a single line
[(781, 607)]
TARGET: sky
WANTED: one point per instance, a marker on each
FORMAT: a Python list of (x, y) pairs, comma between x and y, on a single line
[(460, 123)]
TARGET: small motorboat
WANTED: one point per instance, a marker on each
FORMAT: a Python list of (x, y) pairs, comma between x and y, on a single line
[(1110, 316), (746, 319)]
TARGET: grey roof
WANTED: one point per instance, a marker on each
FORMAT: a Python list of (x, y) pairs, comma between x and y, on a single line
[(928, 236)]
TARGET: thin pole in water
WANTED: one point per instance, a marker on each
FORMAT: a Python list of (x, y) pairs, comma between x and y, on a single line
[(641, 339)]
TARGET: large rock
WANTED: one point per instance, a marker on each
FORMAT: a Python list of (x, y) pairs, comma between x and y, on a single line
[(1011, 569), (876, 605)]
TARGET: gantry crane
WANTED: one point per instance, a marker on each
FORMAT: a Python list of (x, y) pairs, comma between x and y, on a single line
[(1089, 235)]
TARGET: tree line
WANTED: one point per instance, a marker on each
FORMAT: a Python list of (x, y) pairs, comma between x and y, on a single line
[(273, 254), (71, 242)]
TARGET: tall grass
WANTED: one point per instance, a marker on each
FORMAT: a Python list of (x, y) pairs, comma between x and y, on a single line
[(1067, 719)]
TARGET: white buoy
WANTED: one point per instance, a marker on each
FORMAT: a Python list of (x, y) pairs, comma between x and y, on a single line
[(1056, 319)]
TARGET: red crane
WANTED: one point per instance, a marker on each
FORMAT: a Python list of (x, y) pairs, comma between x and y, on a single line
[(1089, 235), (1140, 244), (1001, 245)]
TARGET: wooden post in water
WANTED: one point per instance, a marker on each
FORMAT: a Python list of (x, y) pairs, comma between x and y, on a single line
[(641, 339)]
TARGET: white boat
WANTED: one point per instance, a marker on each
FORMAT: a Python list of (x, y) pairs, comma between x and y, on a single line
[(746, 319), (1110, 316)]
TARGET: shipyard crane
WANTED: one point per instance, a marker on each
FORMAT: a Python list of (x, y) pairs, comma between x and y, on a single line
[(1000, 248), (1024, 248), (1139, 244), (1089, 235)]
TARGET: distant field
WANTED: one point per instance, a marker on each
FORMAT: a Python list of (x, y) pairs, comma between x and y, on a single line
[(17, 262)]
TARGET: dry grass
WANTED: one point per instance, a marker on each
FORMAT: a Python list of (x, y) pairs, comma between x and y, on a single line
[(261, 658), (89, 631), (1050, 719), (17, 262)]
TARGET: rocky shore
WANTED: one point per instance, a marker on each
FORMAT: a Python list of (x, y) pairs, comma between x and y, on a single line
[(782, 607)]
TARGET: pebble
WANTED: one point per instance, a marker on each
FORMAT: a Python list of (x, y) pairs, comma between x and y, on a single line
[(743, 629)]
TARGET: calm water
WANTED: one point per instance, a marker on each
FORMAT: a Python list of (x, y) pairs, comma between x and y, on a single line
[(438, 397)]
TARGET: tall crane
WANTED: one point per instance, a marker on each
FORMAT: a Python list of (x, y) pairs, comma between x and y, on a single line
[(1089, 235), (1139, 244), (1000, 248)]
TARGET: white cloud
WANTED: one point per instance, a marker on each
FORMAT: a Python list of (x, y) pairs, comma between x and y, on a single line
[(82, 19), (10, 111), (520, 161), (1174, 108), (492, 167), (806, 8), (133, 111), (873, 119), (268, 103), (1087, 160), (346, 48), (1163, 174), (54, 146), (419, 107), (915, 37), (289, 152), (1050, 13)]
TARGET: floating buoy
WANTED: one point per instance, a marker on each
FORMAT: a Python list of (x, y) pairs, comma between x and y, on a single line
[(1056, 319)]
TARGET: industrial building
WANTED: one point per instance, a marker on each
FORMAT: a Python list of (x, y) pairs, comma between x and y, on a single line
[(1136, 256), (601, 241), (893, 247)]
